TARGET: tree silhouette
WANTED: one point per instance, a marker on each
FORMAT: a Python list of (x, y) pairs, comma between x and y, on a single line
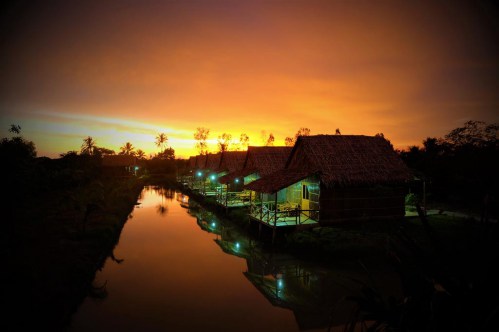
[(88, 146), (303, 131), (224, 141), (270, 140), (15, 129), (201, 136), (161, 141), (244, 141), (167, 154), (473, 133), (140, 154), (127, 149)]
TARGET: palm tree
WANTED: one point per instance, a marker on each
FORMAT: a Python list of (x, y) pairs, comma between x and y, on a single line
[(88, 146), (127, 149), (161, 141), (140, 154)]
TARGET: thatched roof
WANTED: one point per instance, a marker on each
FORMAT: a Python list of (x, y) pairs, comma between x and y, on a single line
[(213, 161), (228, 178), (192, 162), (338, 160), (260, 159), (118, 160), (232, 161), (278, 180), (349, 160), (266, 159), (201, 161)]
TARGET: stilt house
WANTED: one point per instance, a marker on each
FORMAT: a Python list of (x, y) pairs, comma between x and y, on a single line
[(231, 162), (119, 165), (260, 161), (210, 174), (331, 179)]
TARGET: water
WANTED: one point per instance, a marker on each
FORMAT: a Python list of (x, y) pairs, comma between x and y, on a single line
[(178, 268)]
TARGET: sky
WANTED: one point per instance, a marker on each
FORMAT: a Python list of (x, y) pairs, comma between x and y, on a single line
[(124, 71)]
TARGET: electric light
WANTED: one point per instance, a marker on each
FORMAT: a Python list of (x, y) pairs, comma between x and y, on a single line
[(199, 173)]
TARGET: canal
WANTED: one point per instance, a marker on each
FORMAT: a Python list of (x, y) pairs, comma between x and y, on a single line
[(179, 268)]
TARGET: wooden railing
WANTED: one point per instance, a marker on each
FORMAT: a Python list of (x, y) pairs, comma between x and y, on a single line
[(267, 213), (233, 198)]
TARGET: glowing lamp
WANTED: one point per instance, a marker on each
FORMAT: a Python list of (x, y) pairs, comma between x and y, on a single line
[(212, 177), (280, 283), (236, 180), (136, 168), (199, 173), (213, 224), (237, 245)]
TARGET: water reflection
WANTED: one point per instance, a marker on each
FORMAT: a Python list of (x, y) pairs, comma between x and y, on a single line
[(161, 209), (183, 200), (176, 277), (315, 295)]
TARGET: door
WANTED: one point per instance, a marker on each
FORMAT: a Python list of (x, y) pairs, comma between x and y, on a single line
[(305, 199)]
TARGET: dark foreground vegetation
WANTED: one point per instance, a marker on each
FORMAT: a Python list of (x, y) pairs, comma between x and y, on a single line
[(55, 235), (60, 220)]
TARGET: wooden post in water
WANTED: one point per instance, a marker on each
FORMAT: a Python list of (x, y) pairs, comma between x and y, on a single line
[(250, 206), (275, 219), (226, 198), (424, 197), (261, 207)]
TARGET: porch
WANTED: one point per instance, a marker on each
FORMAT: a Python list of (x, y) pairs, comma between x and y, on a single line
[(284, 214), (233, 199)]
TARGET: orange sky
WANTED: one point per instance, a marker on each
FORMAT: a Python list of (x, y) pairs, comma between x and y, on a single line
[(127, 70)]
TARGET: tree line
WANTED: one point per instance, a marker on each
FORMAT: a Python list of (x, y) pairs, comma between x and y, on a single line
[(89, 147), (461, 168)]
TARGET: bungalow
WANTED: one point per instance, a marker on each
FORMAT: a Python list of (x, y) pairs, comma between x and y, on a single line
[(330, 179), (259, 161), (210, 175), (119, 165), (231, 161), (197, 180), (185, 175)]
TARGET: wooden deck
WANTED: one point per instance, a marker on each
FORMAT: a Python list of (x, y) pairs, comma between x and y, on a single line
[(284, 216), (233, 199)]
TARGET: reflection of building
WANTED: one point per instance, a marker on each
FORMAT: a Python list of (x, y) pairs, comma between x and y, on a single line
[(182, 199), (206, 220), (314, 295)]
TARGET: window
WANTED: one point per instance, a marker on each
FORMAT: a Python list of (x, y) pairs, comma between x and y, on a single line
[(305, 194)]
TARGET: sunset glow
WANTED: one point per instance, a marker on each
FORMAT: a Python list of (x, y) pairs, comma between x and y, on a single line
[(126, 71)]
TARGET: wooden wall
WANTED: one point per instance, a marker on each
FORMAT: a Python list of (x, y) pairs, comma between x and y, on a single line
[(344, 204)]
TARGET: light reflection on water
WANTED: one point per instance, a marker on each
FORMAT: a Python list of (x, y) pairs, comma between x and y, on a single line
[(182, 269)]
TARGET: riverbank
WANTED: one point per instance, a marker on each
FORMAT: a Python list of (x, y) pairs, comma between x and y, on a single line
[(53, 245)]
